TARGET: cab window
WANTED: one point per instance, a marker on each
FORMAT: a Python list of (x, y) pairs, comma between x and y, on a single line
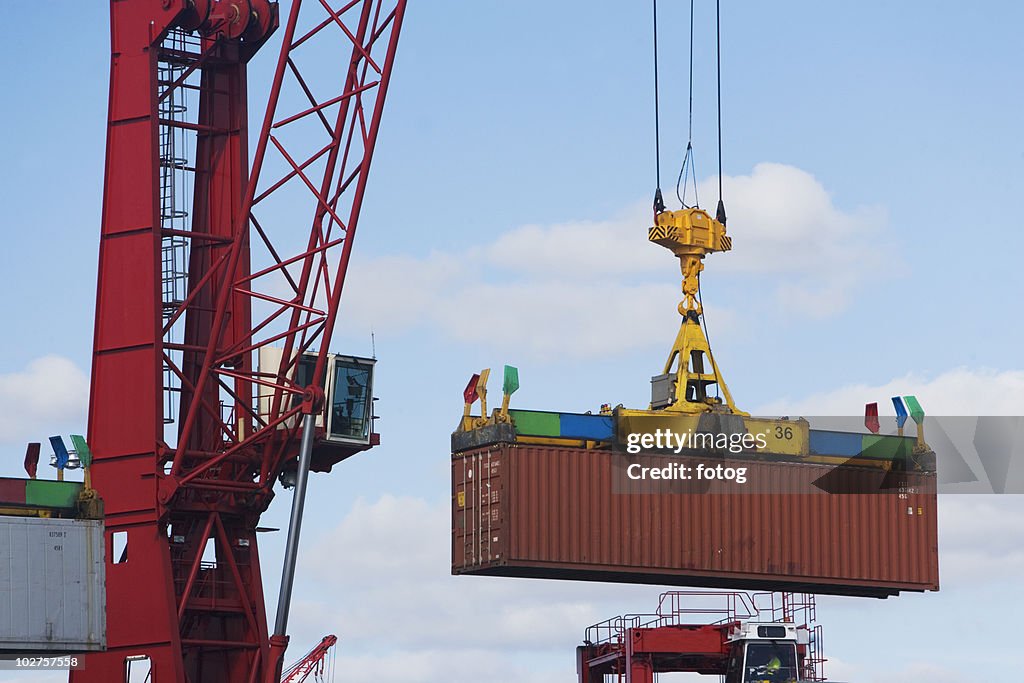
[(772, 662), (351, 403)]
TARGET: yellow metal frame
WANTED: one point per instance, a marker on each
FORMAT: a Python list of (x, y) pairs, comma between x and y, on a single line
[(686, 362), (692, 234), (25, 512), (782, 436)]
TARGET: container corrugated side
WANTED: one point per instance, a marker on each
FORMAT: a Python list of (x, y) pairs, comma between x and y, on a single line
[(52, 589), (549, 512)]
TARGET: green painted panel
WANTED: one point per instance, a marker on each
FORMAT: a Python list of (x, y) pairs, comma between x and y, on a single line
[(536, 423), (52, 494), (886, 447)]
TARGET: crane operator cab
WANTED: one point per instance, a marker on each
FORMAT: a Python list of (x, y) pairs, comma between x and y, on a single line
[(347, 417), (766, 653)]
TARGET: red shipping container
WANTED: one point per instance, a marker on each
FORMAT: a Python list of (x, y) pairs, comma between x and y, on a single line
[(552, 512)]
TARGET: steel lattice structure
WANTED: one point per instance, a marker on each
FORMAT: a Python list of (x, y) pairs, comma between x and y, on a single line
[(314, 663), (199, 271)]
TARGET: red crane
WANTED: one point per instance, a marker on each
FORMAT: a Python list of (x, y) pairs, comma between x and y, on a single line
[(218, 291), (313, 663)]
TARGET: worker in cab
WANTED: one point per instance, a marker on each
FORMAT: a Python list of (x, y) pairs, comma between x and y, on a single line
[(770, 663), (769, 672), (776, 673)]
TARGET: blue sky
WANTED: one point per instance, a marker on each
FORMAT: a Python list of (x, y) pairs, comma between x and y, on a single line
[(874, 173)]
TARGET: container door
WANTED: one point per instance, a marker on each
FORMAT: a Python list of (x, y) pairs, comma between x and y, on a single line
[(478, 538)]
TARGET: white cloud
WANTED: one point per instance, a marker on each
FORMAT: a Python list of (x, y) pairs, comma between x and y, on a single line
[(463, 666), (913, 672), (531, 290), (49, 391), (918, 672), (581, 250), (557, 319), (783, 220), (593, 288), (784, 223), (981, 539), (956, 392), (839, 670), (402, 567)]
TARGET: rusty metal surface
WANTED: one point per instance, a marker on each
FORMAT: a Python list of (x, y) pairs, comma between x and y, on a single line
[(549, 512)]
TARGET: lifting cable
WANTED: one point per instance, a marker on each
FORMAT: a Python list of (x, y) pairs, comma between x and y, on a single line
[(720, 212), (689, 165), (659, 204)]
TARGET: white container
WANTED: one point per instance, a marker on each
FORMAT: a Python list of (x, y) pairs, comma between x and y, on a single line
[(52, 585)]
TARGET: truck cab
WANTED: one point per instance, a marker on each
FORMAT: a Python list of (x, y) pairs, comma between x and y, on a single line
[(766, 653)]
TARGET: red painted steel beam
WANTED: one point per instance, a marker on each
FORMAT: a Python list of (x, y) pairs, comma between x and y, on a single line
[(185, 456), (681, 640), (125, 420), (126, 426), (639, 669), (312, 663), (640, 653)]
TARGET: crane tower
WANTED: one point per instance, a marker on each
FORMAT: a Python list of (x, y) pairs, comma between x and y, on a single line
[(218, 290)]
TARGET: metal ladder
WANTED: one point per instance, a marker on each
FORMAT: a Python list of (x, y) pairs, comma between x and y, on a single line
[(175, 186)]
